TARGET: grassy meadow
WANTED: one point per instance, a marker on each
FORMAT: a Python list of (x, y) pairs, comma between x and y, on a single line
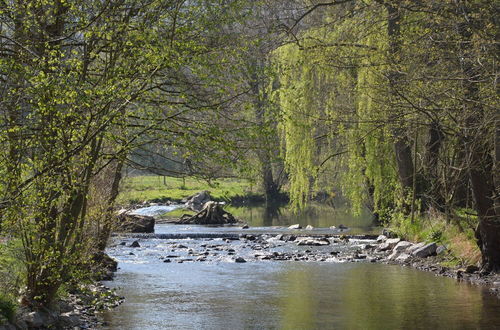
[(158, 188)]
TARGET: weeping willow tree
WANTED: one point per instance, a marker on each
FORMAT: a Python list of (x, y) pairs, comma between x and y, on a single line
[(334, 115), (296, 102), (406, 95)]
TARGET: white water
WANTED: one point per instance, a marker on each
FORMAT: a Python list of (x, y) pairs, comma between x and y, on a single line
[(156, 209)]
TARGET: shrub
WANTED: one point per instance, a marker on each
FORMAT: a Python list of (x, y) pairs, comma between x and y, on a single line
[(7, 308)]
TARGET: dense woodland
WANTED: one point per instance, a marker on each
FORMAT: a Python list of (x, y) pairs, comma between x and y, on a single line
[(391, 104)]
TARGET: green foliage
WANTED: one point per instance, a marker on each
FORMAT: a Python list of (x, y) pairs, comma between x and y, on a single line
[(12, 268), (86, 83), (12, 273), (295, 98), (343, 103)]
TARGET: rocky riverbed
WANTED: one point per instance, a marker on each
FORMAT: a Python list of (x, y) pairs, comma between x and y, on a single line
[(301, 247)]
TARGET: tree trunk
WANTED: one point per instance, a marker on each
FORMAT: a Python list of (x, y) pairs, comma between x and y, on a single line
[(434, 189), (478, 150), (269, 184), (105, 231), (402, 148), (211, 214), (271, 189)]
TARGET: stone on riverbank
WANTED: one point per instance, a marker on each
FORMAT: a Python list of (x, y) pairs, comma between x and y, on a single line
[(415, 247), (425, 251), (296, 226), (389, 233), (441, 249), (388, 244), (403, 257), (197, 201), (402, 246)]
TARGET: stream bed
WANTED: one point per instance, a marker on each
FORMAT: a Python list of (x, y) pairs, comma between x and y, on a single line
[(196, 283)]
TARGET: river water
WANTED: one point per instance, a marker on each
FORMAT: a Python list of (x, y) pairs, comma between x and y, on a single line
[(264, 294)]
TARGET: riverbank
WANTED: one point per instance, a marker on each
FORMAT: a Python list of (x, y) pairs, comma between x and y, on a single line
[(77, 307)]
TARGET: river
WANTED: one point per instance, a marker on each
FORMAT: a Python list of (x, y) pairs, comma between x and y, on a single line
[(267, 294)]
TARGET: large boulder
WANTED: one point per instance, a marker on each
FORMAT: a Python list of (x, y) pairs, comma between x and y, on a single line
[(388, 244), (425, 251), (414, 247), (197, 201), (134, 223), (402, 246)]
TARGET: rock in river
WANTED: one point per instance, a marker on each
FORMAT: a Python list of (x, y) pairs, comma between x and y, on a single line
[(133, 223), (135, 244), (311, 241), (239, 260)]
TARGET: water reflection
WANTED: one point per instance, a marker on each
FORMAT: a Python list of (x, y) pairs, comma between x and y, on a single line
[(295, 296), (317, 215)]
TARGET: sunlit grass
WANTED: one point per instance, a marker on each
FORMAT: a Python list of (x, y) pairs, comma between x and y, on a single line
[(157, 188)]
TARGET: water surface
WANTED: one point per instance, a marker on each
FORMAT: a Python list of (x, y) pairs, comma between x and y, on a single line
[(222, 294), (292, 295)]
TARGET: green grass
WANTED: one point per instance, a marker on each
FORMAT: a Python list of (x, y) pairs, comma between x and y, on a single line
[(456, 234), (153, 188), (175, 214)]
